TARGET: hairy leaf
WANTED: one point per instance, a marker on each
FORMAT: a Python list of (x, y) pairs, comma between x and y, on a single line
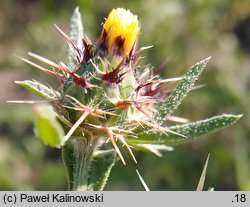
[(76, 34), (69, 160), (101, 168), (39, 89), (180, 92), (187, 132)]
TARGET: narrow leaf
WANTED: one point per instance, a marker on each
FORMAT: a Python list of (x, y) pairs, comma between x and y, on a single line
[(48, 128), (203, 176), (76, 34), (69, 160), (39, 89), (180, 92), (189, 131), (101, 168)]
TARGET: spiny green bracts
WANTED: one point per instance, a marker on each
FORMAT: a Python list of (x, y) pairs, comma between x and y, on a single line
[(108, 101)]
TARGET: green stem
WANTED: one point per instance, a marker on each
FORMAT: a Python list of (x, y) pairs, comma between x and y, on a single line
[(83, 156), (77, 154)]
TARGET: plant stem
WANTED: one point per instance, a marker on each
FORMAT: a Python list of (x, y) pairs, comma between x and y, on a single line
[(77, 155)]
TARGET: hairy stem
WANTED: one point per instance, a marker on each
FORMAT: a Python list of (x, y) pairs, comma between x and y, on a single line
[(77, 155)]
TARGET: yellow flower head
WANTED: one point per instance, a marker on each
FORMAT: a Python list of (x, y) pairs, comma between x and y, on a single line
[(120, 32)]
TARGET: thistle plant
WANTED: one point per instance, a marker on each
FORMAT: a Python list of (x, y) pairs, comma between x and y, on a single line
[(109, 104)]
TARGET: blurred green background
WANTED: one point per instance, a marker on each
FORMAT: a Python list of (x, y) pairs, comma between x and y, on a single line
[(182, 33)]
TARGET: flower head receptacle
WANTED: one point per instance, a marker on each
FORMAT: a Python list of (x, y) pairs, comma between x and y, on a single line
[(119, 34)]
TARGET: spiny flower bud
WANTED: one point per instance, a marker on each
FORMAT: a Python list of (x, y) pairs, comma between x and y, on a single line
[(119, 34)]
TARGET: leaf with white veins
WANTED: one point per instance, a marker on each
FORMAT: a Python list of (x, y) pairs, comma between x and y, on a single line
[(189, 131), (182, 89)]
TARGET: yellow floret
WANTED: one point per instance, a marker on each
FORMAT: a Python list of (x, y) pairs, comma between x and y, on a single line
[(121, 25)]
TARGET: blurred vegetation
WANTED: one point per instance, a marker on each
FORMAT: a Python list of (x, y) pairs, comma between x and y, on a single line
[(182, 33)]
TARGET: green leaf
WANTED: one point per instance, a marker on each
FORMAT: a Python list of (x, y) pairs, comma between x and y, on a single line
[(48, 128), (101, 168), (188, 131), (76, 34), (69, 160), (180, 92), (39, 89)]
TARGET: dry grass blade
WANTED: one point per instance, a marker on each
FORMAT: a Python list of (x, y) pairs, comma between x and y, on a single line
[(203, 176), (142, 181)]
